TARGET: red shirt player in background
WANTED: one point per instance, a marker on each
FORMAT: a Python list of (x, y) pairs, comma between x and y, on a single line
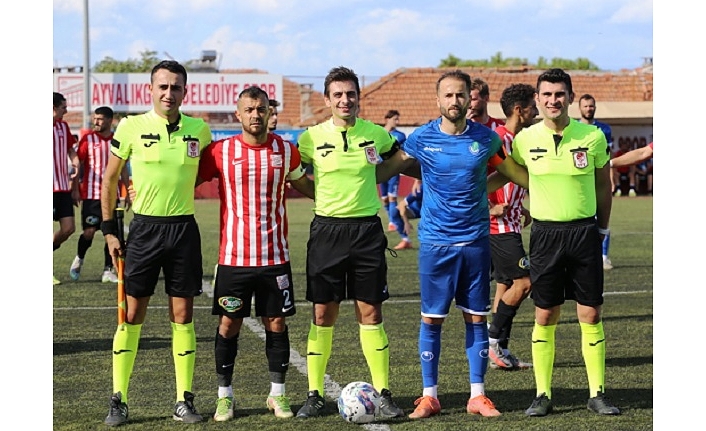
[(65, 191), (253, 169), (478, 108), (509, 261), (93, 153)]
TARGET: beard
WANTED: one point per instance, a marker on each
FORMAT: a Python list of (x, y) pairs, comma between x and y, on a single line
[(456, 115)]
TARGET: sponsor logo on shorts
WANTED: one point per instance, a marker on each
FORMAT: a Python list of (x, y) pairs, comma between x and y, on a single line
[(282, 282), (524, 262), (230, 304)]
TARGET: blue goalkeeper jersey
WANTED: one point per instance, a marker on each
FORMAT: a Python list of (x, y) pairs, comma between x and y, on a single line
[(454, 174)]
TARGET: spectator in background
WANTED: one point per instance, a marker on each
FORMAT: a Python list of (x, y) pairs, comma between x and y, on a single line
[(274, 113), (587, 107), (66, 193), (478, 109), (93, 153), (389, 188)]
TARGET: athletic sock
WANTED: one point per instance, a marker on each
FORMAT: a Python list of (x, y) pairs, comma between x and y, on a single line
[(125, 343), (376, 349), (107, 258), (83, 246), (184, 353), (507, 314), (277, 352), (593, 350), (476, 344), (429, 352), (543, 349), (225, 352), (318, 348)]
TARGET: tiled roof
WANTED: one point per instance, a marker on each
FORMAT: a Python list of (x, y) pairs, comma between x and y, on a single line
[(412, 92)]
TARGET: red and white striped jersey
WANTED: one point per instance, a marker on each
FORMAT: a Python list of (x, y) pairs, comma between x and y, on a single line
[(494, 123), (93, 152), (63, 140), (252, 188), (510, 193)]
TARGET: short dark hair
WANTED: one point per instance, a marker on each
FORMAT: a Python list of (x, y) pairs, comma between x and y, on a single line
[(341, 74), (274, 103), (458, 74), (104, 111), (587, 97), (58, 99), (170, 65), (481, 86), (253, 92), (391, 113), (556, 76), (516, 94)]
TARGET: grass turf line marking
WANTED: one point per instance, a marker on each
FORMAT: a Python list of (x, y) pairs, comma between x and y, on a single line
[(306, 303)]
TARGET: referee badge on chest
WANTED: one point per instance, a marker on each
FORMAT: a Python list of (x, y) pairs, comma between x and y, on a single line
[(580, 159), (371, 153), (192, 148)]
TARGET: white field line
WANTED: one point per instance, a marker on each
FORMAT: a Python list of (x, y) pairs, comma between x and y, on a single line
[(306, 303), (331, 387)]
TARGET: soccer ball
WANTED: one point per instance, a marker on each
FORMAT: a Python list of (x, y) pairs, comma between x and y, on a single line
[(359, 403)]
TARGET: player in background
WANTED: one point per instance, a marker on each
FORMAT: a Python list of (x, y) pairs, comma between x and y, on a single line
[(66, 193), (587, 107), (389, 188), (571, 203), (509, 259), (347, 244), (253, 169), (274, 113), (478, 108), (163, 146), (411, 207), (93, 153)]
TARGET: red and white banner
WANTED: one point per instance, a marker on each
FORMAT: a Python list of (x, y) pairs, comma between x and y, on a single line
[(129, 92)]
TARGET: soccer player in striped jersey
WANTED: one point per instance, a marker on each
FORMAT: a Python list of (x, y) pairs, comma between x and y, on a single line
[(65, 191), (253, 169), (93, 153), (508, 257)]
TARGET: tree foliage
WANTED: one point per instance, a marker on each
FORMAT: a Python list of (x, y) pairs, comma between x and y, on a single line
[(145, 63), (497, 60)]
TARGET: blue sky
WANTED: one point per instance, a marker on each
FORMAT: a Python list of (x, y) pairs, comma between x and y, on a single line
[(374, 37)]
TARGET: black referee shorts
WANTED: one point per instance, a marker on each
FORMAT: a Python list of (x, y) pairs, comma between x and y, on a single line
[(566, 263), (346, 260), (168, 244)]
